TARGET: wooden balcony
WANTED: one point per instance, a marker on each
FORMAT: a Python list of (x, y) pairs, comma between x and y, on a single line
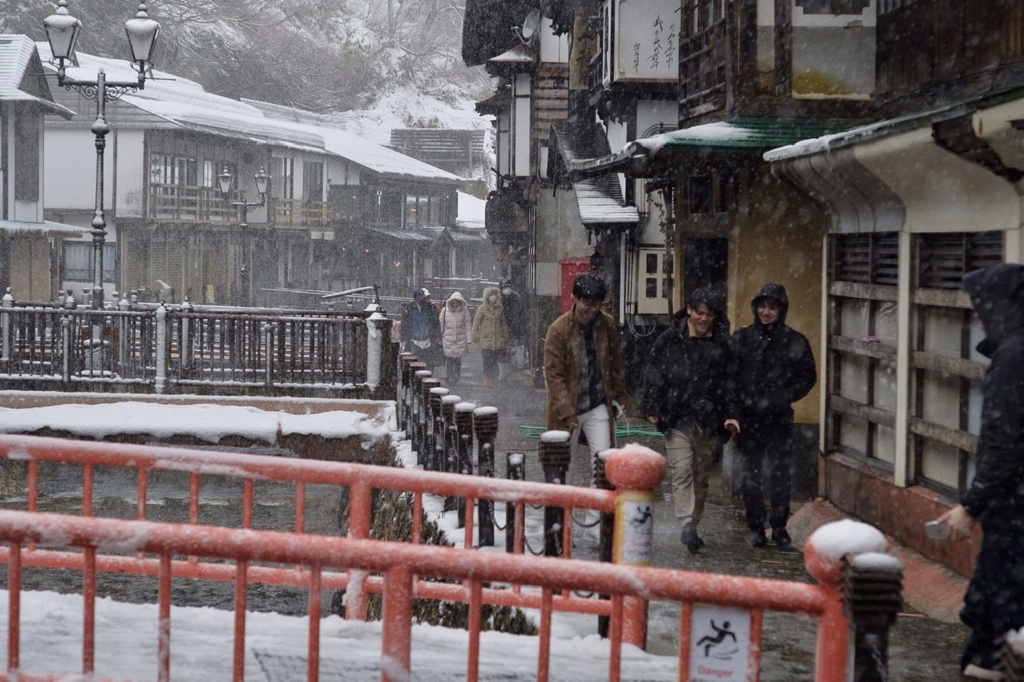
[(299, 214), (207, 205), (183, 203)]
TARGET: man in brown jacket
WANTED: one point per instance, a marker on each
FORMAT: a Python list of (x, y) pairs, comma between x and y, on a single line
[(584, 372)]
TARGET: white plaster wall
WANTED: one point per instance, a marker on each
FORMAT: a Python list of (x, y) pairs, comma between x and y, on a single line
[(651, 112), (130, 169), (553, 48), (338, 172), (70, 163), (942, 192), (560, 236)]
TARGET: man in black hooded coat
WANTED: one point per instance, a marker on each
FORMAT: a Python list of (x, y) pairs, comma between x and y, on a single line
[(994, 603), (774, 369)]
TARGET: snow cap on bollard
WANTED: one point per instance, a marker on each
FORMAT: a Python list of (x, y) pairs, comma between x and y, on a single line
[(634, 467), (826, 547)]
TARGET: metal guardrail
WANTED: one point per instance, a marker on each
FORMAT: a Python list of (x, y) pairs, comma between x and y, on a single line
[(195, 349), (396, 570)]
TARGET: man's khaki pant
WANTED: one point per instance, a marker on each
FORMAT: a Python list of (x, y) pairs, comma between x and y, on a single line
[(689, 454)]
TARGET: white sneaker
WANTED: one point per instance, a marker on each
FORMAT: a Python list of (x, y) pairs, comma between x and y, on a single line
[(973, 672)]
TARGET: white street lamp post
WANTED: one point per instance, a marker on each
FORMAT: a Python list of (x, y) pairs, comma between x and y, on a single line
[(262, 185), (62, 31)]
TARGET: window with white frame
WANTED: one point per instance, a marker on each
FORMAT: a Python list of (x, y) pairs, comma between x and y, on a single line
[(77, 262), (173, 182), (946, 370), (862, 344), (313, 181), (282, 184)]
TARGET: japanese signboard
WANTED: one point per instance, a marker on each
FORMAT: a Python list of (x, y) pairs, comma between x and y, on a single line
[(646, 40)]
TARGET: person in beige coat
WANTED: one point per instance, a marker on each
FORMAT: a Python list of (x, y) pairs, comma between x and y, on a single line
[(456, 325), (491, 334)]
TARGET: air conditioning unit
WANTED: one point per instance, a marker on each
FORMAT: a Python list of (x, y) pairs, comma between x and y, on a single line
[(653, 283)]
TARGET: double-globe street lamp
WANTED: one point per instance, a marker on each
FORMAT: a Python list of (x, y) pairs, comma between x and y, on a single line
[(262, 185), (62, 32)]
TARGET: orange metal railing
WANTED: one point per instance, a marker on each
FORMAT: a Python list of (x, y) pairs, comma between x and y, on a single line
[(392, 562), (301, 559)]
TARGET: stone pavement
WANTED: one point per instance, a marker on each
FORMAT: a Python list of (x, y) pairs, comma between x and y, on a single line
[(925, 642)]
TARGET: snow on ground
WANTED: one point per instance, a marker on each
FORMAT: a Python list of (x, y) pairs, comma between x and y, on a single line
[(201, 646), (207, 422)]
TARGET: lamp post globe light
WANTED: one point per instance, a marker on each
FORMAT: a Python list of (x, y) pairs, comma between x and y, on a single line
[(62, 32), (262, 179)]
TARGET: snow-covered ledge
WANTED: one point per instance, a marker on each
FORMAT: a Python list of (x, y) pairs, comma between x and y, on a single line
[(339, 430)]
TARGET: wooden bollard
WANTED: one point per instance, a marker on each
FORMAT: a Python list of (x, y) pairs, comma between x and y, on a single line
[(554, 452), (485, 424)]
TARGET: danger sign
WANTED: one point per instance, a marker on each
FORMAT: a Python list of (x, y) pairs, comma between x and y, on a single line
[(719, 644)]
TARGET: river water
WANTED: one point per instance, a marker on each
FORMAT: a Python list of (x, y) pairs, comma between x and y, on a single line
[(167, 500)]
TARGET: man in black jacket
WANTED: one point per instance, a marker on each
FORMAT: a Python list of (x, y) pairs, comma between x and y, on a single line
[(994, 603), (774, 369), (686, 396)]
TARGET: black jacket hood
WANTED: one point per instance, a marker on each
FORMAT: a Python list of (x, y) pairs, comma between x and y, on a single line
[(997, 293), (777, 293)]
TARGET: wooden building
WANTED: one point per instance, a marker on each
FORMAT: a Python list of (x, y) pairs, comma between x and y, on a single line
[(866, 154)]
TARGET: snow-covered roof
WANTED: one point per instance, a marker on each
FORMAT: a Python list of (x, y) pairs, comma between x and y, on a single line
[(187, 104), (44, 228), (600, 202), (17, 53), (520, 54), (599, 198), (381, 159), (472, 211)]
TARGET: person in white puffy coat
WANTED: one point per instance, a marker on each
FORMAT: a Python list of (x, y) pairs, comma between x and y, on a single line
[(456, 325)]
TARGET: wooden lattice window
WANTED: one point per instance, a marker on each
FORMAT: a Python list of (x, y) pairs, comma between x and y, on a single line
[(944, 259), (871, 258)]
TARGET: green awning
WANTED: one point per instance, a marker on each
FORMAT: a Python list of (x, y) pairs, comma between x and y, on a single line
[(734, 136)]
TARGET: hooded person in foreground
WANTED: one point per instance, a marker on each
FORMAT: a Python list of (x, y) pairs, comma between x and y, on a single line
[(774, 369), (994, 603)]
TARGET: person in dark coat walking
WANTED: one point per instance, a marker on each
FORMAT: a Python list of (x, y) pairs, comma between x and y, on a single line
[(774, 369), (687, 396), (994, 603), (421, 329)]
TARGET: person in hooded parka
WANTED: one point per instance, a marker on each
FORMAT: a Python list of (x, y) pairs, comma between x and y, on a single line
[(774, 369), (994, 602), (491, 334), (456, 325)]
